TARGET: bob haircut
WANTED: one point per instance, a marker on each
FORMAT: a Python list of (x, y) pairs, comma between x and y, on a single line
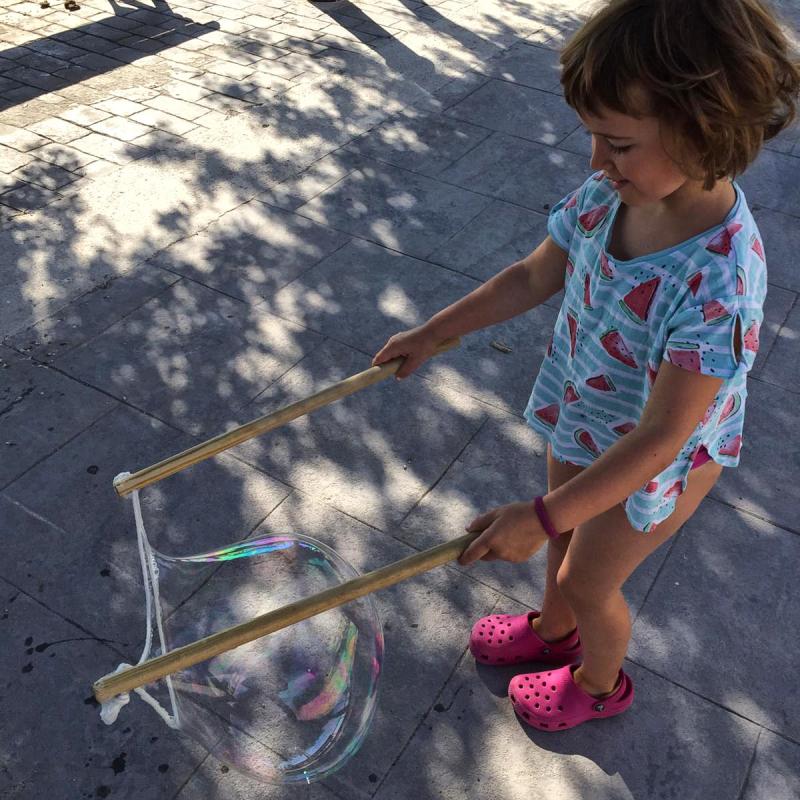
[(719, 74)]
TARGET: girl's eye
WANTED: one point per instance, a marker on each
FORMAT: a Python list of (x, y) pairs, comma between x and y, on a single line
[(619, 149)]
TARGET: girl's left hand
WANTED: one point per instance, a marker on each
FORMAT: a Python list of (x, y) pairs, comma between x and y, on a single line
[(511, 533)]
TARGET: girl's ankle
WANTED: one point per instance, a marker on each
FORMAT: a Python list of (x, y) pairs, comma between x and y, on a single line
[(548, 634), (594, 689)]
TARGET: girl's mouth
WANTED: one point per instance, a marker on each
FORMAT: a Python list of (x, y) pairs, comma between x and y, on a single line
[(620, 184)]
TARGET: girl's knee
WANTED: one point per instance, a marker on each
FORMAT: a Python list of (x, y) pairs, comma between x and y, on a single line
[(580, 589)]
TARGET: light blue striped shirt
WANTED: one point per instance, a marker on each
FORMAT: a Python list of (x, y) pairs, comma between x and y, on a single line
[(620, 319)]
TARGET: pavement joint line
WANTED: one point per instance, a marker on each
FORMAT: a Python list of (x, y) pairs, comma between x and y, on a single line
[(779, 331), (775, 524), (760, 379), (785, 288), (452, 236), (444, 471), (713, 702), (558, 146), (746, 780), (109, 643), (99, 287), (421, 722), (382, 244), (191, 775), (61, 446)]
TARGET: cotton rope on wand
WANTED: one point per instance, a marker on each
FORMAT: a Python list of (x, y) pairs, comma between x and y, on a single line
[(119, 682)]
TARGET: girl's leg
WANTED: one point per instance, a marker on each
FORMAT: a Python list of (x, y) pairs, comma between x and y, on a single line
[(557, 619), (602, 554)]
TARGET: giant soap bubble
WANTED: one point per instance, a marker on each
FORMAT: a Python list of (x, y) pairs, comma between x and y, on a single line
[(291, 706)]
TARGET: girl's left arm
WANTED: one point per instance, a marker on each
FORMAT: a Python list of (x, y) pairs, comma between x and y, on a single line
[(677, 403)]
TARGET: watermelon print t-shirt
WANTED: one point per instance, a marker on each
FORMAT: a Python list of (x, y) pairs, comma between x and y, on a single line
[(620, 319)]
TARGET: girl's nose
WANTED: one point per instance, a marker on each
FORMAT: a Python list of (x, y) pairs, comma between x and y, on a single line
[(601, 155)]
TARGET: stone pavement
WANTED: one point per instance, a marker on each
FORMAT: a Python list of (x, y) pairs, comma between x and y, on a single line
[(209, 209)]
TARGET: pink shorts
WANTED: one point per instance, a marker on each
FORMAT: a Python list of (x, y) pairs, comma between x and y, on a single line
[(702, 457)]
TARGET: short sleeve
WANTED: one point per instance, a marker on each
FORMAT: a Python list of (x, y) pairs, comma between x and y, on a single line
[(563, 220), (718, 337)]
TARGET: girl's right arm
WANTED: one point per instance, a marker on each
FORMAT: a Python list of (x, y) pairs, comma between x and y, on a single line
[(516, 289)]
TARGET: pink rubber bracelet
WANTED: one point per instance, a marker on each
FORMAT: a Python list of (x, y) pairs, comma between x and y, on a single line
[(544, 517)]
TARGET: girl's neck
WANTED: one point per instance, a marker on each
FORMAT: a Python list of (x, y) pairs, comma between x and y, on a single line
[(691, 202), (687, 212)]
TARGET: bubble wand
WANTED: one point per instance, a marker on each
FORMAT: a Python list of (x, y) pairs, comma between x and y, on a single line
[(154, 669)]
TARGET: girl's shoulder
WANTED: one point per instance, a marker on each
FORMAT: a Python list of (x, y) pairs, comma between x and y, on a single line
[(728, 260)]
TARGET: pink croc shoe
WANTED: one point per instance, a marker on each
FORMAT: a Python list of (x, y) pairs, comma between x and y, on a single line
[(509, 639), (552, 701)]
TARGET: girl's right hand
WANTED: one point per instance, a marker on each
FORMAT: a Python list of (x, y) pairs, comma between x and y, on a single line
[(416, 346)]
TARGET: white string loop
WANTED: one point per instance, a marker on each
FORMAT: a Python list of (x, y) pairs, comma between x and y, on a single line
[(111, 708)]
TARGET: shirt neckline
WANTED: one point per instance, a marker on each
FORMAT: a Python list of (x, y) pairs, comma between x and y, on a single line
[(674, 248)]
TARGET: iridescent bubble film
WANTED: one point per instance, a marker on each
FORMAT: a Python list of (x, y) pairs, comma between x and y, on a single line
[(294, 705)]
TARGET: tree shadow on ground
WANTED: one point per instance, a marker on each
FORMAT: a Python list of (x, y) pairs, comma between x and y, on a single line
[(52, 63)]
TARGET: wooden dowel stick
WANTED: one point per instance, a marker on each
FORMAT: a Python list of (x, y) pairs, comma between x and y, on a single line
[(156, 668), (212, 447)]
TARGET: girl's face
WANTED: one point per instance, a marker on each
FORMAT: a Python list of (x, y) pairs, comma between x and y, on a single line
[(631, 153)]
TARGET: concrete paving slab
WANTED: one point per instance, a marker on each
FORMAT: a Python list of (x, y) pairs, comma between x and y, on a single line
[(504, 463), (384, 292), (372, 455), (519, 111), (452, 92), (482, 368), (251, 252), (527, 65), (213, 779), (212, 504), (317, 116), (499, 236), (782, 367), (579, 141), (777, 309), (307, 183), (40, 410), (763, 482), (428, 56), (774, 770), (471, 745), (54, 743), (396, 208), (781, 235), (86, 316), (712, 621), (418, 141), (788, 141), (97, 583), (519, 171), (770, 183), (165, 357), (98, 236)]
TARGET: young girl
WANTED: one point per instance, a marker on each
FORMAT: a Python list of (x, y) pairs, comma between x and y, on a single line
[(641, 394)]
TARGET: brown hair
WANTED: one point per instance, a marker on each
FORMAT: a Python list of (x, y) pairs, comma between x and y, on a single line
[(719, 73)]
